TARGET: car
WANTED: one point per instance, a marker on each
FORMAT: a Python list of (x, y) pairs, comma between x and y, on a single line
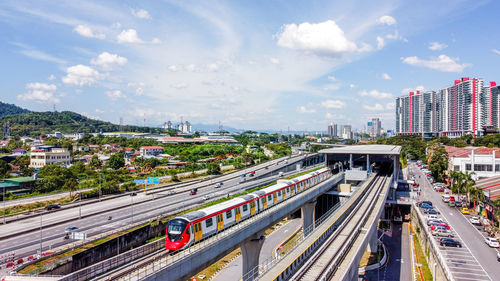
[(431, 211), (219, 184), (70, 229), (133, 194), (251, 174), (464, 211), (434, 221), (170, 192), (458, 204), (441, 225), (425, 206), (425, 202), (450, 242), (442, 232), (475, 220), (432, 217), (193, 191), (53, 207), (492, 242), (206, 197), (498, 256)]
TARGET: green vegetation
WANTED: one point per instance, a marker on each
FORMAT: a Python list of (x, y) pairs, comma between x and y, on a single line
[(42, 123), (438, 162), (426, 272), (413, 147), (10, 109)]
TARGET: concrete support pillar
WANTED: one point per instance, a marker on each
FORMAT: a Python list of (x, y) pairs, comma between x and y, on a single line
[(368, 164), (373, 242), (395, 171), (350, 162), (308, 217), (250, 251)]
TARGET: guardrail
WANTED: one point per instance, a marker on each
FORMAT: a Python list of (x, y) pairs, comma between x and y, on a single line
[(150, 267)]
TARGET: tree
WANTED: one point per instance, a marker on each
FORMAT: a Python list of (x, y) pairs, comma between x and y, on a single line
[(4, 169), (213, 169), (95, 163), (439, 163), (116, 161)]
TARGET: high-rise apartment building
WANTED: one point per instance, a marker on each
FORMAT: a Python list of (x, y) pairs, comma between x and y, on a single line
[(346, 131), (374, 127), (463, 108), (332, 130)]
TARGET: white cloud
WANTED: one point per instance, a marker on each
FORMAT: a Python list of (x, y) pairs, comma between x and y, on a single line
[(115, 95), (375, 94), (191, 67), (213, 67), (332, 78), (108, 61), (139, 91), (140, 13), (179, 86), (331, 87), (386, 76), (352, 86), (324, 38), (52, 77), (380, 42), (388, 20), (156, 41), (441, 63), (173, 68), (396, 36), (86, 31), (274, 60), (330, 116), (39, 92), (420, 88), (304, 109), (436, 46), (390, 105), (81, 75), (496, 51), (376, 107), (116, 25), (129, 36), (333, 104), (97, 110)]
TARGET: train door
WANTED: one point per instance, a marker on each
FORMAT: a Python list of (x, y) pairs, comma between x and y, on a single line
[(284, 193), (275, 198), (264, 202), (198, 233), (220, 222), (252, 208), (298, 187), (292, 192), (237, 214)]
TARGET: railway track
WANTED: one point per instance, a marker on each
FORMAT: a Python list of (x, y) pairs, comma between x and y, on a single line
[(323, 263)]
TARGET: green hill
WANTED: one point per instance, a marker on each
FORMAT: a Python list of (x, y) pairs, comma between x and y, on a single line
[(10, 109), (42, 123)]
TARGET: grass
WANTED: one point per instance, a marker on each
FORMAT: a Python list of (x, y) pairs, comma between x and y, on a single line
[(426, 272), (20, 208), (290, 243)]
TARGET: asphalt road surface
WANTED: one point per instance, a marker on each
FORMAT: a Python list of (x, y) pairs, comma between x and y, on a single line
[(476, 260), (28, 241), (271, 242)]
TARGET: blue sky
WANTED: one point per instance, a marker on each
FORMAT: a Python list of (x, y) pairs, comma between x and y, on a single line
[(249, 64)]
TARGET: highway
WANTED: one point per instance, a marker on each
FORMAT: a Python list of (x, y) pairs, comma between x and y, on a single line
[(476, 260), (128, 209)]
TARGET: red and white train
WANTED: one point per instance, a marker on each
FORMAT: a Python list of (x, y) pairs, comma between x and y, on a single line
[(189, 228)]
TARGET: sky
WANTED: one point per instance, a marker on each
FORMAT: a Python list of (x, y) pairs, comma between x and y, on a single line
[(258, 65)]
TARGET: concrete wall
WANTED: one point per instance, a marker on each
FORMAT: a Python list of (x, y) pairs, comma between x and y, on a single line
[(430, 250)]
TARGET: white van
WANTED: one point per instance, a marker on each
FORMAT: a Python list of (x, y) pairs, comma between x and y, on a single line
[(446, 198)]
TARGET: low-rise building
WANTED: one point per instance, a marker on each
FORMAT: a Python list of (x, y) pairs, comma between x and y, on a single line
[(483, 162), (19, 151), (150, 150), (41, 156)]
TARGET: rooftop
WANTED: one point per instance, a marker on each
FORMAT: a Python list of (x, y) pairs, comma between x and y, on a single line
[(382, 149), (490, 186)]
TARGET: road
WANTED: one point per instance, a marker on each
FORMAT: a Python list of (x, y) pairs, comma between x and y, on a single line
[(476, 260), (133, 209), (399, 264), (271, 242)]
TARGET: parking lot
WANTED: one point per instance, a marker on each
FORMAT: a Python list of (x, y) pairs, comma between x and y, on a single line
[(475, 260)]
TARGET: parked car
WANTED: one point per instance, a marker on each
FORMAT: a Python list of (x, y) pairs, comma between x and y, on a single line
[(424, 202), (464, 211), (432, 217), (425, 206), (492, 242), (441, 225), (442, 232), (450, 242), (458, 204), (434, 221), (53, 207), (431, 211), (475, 220), (70, 229)]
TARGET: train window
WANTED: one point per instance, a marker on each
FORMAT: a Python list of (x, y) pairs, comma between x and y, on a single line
[(269, 197), (229, 214), (245, 208), (209, 222)]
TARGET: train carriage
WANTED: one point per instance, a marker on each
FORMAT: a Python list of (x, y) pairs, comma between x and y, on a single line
[(189, 228)]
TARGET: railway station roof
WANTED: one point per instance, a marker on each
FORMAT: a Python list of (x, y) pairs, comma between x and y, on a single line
[(380, 149)]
